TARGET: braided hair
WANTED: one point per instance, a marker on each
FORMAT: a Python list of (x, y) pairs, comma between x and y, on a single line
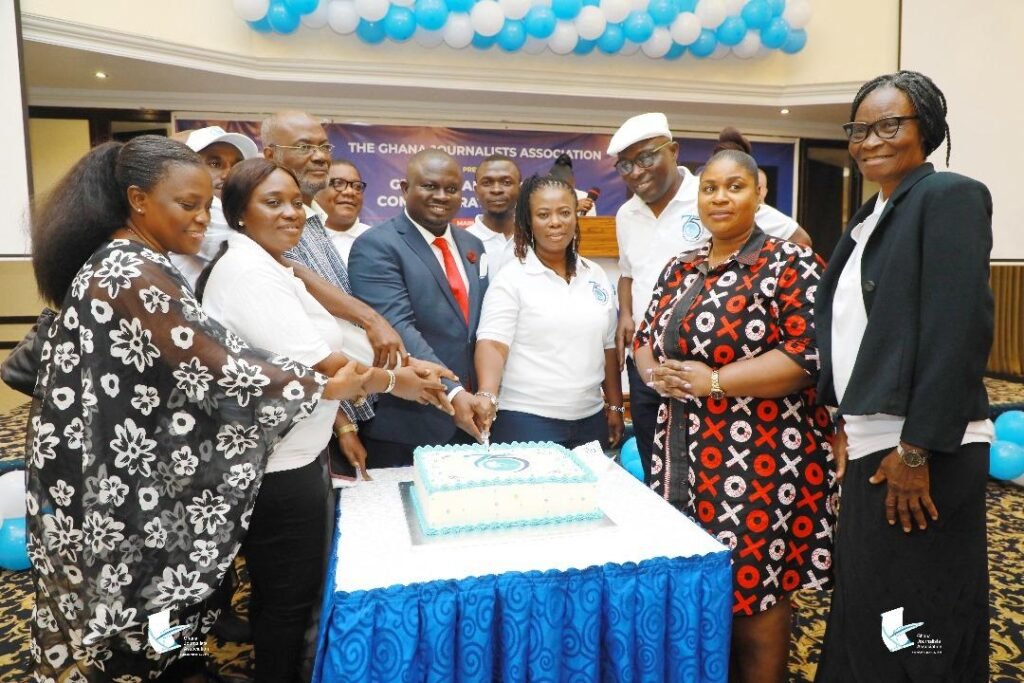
[(929, 103), (524, 219)]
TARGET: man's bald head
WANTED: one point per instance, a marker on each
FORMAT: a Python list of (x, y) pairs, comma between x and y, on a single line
[(284, 133), (433, 189)]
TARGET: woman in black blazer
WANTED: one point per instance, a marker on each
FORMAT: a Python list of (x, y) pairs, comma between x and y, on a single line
[(904, 321)]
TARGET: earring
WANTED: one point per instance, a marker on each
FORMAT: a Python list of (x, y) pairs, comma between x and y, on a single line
[(138, 209), (241, 224)]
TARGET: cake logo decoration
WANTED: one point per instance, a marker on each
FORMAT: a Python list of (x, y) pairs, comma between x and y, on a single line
[(501, 463)]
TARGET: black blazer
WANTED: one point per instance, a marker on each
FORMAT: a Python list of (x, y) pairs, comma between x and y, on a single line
[(930, 313)]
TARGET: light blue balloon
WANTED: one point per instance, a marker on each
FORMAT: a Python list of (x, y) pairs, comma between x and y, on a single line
[(399, 23), (281, 19), (566, 9), (777, 7), (584, 47), (731, 31), (512, 35), (638, 26), (686, 5), (795, 41), (13, 548), (301, 6), (261, 26), (705, 44), (1010, 427), (460, 5), (591, 3), (539, 21), (756, 13), (773, 36), (1006, 460), (676, 51), (611, 40), (629, 458), (663, 12), (431, 14), (371, 32), (484, 42)]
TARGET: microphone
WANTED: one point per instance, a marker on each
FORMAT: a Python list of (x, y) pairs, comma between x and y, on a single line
[(592, 194)]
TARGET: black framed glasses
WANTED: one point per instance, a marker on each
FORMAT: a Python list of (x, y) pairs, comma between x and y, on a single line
[(644, 159), (885, 129), (340, 184), (307, 149)]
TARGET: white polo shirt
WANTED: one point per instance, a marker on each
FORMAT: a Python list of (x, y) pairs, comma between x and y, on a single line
[(191, 266), (499, 249), (647, 242), (263, 302), (557, 333), (344, 239)]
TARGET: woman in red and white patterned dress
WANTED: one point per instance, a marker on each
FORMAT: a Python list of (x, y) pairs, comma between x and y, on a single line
[(728, 342)]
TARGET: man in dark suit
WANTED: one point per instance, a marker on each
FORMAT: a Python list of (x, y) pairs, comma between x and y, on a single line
[(424, 277)]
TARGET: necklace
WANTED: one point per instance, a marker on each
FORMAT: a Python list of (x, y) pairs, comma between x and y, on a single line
[(142, 238)]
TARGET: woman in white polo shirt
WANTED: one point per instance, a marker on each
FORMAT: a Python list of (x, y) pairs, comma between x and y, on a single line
[(546, 340)]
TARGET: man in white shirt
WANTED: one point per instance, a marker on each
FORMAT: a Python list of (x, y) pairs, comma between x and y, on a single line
[(497, 190), (342, 200), (657, 223)]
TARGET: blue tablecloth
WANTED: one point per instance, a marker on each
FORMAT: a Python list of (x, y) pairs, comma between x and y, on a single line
[(659, 619)]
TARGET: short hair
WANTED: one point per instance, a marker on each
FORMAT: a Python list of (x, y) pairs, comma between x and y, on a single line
[(929, 102), (497, 157), (242, 181), (745, 161), (91, 201), (730, 138), (524, 220)]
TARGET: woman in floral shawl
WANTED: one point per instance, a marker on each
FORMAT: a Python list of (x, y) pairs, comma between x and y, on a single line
[(152, 423)]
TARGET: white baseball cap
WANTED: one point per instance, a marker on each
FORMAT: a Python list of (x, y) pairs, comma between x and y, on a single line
[(200, 139), (640, 127)]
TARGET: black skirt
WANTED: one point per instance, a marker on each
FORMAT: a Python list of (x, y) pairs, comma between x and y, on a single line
[(939, 577)]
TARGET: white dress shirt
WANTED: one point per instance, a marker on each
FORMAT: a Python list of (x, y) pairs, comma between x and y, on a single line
[(452, 247), (191, 266), (344, 239), (500, 250)]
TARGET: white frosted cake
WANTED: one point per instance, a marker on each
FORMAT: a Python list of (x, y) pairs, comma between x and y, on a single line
[(459, 489)]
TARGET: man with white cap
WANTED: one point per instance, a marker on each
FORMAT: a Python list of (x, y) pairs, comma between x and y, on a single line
[(220, 151), (658, 222)]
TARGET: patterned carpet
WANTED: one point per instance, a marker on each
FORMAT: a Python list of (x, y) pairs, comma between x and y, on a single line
[(1006, 565)]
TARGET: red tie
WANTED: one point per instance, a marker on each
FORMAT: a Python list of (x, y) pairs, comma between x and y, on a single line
[(451, 271)]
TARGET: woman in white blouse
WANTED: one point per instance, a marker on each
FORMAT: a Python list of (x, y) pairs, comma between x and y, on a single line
[(546, 340)]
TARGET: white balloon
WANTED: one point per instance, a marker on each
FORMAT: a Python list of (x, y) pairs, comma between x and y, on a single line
[(564, 38), (514, 9), (342, 16), (590, 23), (720, 51), (658, 45), (685, 28), (615, 11), (711, 13), (747, 48), (252, 10), (639, 5), (732, 7), (403, 3), (317, 18), (429, 38), (458, 32), (797, 13), (487, 17), (372, 10), (534, 46), (12, 495), (629, 48)]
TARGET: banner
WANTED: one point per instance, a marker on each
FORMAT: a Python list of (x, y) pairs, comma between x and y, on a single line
[(382, 152)]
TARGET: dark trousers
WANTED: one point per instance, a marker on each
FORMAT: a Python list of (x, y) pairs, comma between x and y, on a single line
[(512, 425), (643, 406), (284, 552), (380, 453)]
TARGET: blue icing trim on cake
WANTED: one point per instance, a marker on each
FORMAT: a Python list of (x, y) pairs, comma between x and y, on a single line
[(585, 474), (494, 526)]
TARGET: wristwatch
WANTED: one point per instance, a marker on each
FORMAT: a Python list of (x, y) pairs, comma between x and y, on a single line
[(490, 397), (716, 389), (912, 457)]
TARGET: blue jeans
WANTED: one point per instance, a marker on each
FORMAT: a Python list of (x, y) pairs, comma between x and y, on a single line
[(512, 425)]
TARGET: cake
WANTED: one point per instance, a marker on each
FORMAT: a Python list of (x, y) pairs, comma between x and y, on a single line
[(460, 489)]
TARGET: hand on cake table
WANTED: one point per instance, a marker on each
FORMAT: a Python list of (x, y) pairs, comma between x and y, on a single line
[(470, 413)]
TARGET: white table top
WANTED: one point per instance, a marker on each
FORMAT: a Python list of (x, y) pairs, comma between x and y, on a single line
[(375, 549)]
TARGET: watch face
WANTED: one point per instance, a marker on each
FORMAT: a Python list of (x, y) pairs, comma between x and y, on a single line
[(912, 458), (717, 395)]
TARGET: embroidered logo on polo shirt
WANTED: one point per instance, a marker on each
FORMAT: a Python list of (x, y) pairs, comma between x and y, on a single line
[(692, 228), (599, 293)]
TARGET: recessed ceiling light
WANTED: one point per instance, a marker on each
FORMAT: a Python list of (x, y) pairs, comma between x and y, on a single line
[(102, 75), (783, 111)]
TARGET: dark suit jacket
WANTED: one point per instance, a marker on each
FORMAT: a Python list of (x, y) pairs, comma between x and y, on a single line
[(394, 270), (930, 313)]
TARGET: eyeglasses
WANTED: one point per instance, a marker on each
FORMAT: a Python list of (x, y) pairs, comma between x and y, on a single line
[(340, 184), (885, 129), (644, 159), (306, 149)]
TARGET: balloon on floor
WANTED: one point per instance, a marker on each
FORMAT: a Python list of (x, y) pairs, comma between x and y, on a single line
[(13, 553), (629, 458), (1006, 460)]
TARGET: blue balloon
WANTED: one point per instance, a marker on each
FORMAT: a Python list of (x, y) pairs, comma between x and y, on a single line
[(399, 23), (512, 35), (431, 14), (371, 32), (731, 31), (638, 26), (1010, 427), (686, 5), (460, 5), (566, 9), (795, 41), (756, 13), (777, 7), (611, 40), (13, 549), (281, 19), (301, 6), (705, 44), (629, 458), (261, 26), (773, 36), (1006, 460), (663, 12), (676, 51), (539, 21), (484, 42), (591, 3), (584, 47)]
